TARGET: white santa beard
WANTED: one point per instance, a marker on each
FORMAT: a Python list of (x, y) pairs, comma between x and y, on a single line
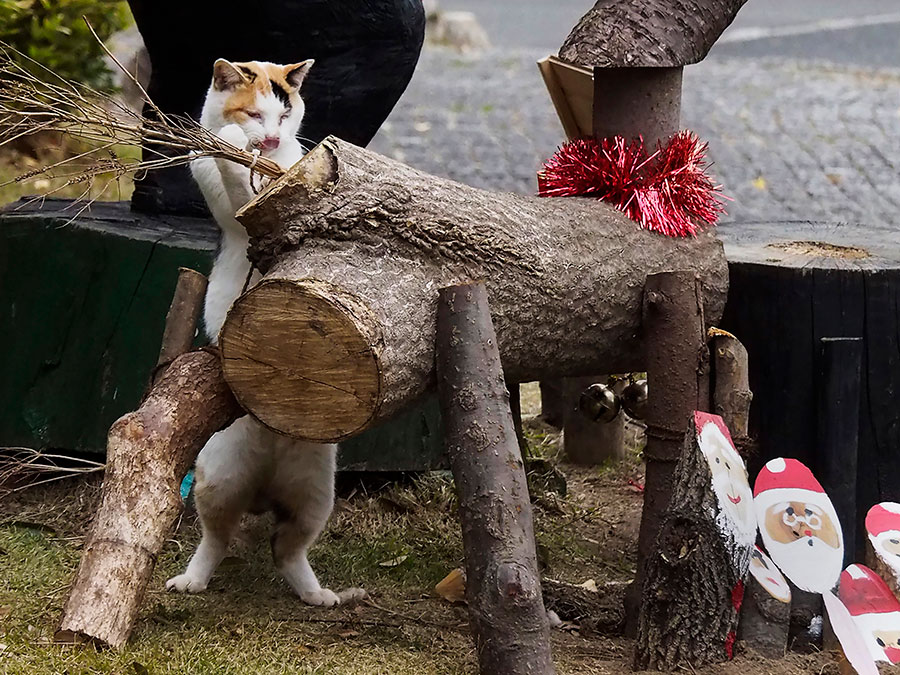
[(740, 517), (869, 623), (813, 568)]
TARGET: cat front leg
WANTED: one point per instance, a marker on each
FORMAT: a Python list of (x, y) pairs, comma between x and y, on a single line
[(225, 485)]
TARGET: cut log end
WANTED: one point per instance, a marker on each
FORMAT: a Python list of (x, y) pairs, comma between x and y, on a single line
[(306, 362)]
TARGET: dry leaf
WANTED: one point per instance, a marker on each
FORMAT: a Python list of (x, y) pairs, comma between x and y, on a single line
[(452, 587), (393, 562), (589, 585), (760, 183)]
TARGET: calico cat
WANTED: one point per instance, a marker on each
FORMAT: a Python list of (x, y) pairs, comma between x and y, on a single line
[(246, 467)]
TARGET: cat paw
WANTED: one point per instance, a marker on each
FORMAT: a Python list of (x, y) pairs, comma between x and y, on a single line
[(323, 597), (234, 135), (351, 595), (184, 583)]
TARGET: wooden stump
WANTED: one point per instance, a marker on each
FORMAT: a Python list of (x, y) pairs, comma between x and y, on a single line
[(731, 384), (694, 578), (806, 281), (678, 377), (503, 586), (354, 245)]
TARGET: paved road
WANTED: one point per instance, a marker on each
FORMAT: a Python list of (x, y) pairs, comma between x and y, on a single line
[(799, 126)]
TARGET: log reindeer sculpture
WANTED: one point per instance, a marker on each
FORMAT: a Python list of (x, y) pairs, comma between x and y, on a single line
[(339, 334)]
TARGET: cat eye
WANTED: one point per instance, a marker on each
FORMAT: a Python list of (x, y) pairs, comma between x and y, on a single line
[(253, 114), (285, 115)]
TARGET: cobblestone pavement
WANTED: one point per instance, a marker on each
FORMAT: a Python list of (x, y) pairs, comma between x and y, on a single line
[(789, 139)]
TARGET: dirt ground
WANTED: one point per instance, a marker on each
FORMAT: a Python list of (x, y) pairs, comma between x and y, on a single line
[(396, 538)]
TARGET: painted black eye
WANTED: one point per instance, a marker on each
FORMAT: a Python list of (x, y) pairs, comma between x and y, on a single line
[(894, 541), (808, 512), (880, 642), (728, 466), (718, 461), (789, 510)]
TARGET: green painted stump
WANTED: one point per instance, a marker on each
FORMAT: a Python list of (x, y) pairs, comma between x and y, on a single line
[(82, 308)]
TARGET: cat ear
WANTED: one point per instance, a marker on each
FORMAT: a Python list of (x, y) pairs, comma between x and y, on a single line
[(226, 75), (297, 72)]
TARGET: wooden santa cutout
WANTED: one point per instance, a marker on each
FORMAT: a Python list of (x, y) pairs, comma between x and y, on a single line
[(883, 529), (853, 642), (729, 477), (768, 576), (875, 611), (799, 525)]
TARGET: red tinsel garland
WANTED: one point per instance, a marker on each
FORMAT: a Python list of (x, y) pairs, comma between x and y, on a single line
[(667, 192)]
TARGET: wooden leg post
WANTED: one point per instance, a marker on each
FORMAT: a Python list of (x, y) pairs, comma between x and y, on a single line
[(503, 585), (148, 453), (678, 376)]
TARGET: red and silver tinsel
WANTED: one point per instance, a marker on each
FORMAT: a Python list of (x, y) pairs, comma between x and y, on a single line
[(667, 192)]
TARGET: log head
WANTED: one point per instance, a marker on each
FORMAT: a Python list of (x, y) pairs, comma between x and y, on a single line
[(301, 358)]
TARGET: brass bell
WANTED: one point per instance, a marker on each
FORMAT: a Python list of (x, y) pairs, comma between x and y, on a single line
[(634, 399), (599, 403)]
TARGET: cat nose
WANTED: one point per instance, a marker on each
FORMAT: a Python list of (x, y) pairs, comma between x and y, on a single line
[(269, 143)]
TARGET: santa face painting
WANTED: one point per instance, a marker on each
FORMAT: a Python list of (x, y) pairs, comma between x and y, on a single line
[(768, 576), (729, 476), (875, 611), (795, 521), (883, 528), (799, 526)]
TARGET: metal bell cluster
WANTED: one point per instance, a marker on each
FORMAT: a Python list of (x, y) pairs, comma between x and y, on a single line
[(600, 403)]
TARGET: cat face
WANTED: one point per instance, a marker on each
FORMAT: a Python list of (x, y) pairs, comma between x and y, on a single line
[(262, 98)]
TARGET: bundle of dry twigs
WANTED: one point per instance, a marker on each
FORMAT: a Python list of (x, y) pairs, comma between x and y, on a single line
[(30, 104), (22, 468)]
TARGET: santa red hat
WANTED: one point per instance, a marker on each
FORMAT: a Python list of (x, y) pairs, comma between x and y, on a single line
[(701, 419), (864, 592), (883, 517), (781, 473)]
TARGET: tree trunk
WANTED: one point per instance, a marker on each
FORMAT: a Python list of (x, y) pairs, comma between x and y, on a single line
[(503, 586), (678, 378), (731, 391), (354, 246), (815, 280), (667, 33), (148, 453), (694, 581), (765, 621)]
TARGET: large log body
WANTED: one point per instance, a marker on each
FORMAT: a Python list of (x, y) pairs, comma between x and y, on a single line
[(340, 332)]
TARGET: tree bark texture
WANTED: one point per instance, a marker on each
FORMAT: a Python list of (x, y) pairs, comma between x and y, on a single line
[(677, 368), (340, 332), (694, 581), (731, 384), (667, 33), (765, 621), (503, 585), (813, 280), (148, 453)]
